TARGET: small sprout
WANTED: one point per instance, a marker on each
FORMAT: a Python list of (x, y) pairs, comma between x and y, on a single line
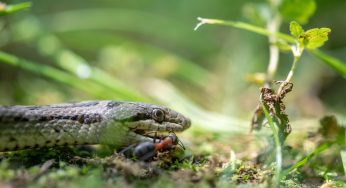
[(315, 38), (311, 39), (295, 29)]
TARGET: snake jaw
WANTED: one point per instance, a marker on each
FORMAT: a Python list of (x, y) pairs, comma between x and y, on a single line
[(144, 122), (149, 128), (146, 127)]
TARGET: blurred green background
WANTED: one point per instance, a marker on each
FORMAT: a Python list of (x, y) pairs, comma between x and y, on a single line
[(148, 51)]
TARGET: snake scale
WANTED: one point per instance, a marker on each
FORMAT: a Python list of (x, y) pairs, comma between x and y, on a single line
[(117, 123)]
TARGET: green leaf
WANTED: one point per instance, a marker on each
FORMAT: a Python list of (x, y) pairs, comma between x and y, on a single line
[(299, 10), (295, 29), (314, 38)]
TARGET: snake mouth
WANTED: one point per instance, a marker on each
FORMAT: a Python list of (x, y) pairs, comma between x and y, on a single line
[(151, 134), (151, 129)]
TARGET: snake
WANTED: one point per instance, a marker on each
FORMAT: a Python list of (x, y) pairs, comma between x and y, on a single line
[(115, 123)]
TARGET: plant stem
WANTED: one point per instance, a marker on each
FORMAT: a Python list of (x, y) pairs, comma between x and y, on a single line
[(277, 142), (273, 26), (245, 26), (297, 52)]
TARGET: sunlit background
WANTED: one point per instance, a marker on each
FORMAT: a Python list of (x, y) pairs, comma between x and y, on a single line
[(148, 51)]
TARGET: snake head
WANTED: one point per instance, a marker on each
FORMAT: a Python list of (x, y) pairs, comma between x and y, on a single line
[(143, 118)]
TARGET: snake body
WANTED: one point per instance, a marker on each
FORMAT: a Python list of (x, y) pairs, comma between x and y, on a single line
[(116, 123)]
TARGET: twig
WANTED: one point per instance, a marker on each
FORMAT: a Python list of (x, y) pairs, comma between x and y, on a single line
[(297, 52)]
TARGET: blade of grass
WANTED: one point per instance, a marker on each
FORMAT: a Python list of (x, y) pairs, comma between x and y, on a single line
[(149, 52), (50, 46), (55, 24), (56, 74), (99, 39), (333, 62), (343, 158), (71, 62), (277, 143), (306, 159)]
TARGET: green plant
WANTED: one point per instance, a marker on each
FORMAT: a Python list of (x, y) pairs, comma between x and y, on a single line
[(272, 109)]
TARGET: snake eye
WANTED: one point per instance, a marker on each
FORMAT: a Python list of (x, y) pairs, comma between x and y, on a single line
[(158, 115)]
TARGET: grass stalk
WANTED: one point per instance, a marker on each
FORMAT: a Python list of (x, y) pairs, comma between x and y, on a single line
[(278, 148)]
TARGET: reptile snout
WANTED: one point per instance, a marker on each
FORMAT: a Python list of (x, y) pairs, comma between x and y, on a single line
[(177, 118), (186, 123), (182, 120)]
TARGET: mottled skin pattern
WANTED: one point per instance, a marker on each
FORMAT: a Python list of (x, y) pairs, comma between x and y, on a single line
[(93, 122)]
